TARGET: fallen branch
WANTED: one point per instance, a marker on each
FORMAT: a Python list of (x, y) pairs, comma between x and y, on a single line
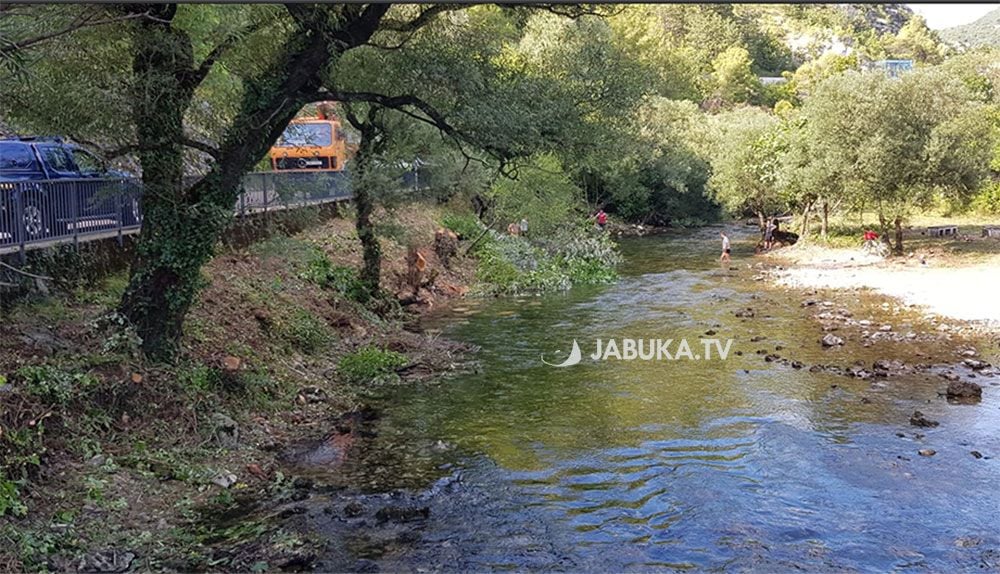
[(25, 273)]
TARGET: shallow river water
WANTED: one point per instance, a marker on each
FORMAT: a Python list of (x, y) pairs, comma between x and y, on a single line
[(736, 464)]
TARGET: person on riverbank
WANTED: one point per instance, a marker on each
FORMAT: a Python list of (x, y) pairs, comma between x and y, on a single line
[(769, 230), (523, 226), (726, 249), (601, 218)]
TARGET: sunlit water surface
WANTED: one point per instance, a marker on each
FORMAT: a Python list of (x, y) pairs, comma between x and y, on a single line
[(707, 465)]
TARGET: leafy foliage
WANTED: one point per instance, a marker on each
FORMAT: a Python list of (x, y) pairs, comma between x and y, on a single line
[(371, 365)]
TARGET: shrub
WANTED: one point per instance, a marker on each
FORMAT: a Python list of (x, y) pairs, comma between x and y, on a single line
[(10, 498), (341, 279), (987, 201), (52, 385), (512, 265), (304, 331), (200, 379), (466, 226), (371, 365)]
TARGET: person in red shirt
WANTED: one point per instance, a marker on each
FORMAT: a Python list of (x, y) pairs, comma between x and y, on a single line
[(601, 217)]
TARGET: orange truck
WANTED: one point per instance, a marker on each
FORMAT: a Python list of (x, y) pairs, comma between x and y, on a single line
[(312, 144)]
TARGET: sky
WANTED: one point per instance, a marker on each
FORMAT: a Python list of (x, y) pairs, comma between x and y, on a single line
[(940, 16)]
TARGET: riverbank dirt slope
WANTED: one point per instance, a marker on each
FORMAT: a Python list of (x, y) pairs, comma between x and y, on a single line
[(112, 463)]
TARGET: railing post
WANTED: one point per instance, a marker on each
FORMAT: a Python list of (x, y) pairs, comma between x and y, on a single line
[(243, 199), (18, 217), (121, 216), (75, 202)]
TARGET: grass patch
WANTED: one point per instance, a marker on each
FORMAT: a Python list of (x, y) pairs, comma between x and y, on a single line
[(339, 278), (845, 232), (371, 365), (304, 332), (466, 226)]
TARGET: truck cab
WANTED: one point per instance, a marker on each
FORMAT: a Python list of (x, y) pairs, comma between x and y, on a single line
[(312, 144)]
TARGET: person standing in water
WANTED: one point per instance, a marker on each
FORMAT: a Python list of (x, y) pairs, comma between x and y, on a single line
[(725, 247), (772, 226)]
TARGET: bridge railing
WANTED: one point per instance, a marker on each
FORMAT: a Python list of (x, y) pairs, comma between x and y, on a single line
[(42, 213)]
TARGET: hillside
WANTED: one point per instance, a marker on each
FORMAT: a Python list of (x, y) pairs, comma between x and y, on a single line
[(983, 32)]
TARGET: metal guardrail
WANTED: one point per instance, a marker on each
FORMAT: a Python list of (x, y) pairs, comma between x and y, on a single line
[(43, 213)]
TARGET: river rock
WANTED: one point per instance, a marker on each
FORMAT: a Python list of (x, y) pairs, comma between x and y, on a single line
[(106, 561), (224, 479), (888, 365), (365, 566), (43, 341), (975, 364), (918, 419), (402, 513), (976, 454), (831, 340), (860, 373), (747, 313), (949, 376), (809, 302), (964, 390), (926, 452), (309, 395), (353, 509), (225, 430)]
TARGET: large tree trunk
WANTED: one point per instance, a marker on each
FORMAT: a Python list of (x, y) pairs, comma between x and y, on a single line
[(372, 144), (825, 224), (371, 269), (165, 268), (806, 212), (899, 235), (181, 227)]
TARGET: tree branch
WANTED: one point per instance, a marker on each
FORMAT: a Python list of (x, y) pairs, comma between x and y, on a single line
[(202, 147), (424, 18), (80, 23), (197, 75)]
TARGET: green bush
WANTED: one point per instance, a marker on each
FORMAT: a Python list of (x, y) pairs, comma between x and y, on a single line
[(466, 226), (200, 379), (53, 385), (10, 498), (305, 332), (513, 265), (371, 365), (341, 279), (987, 201)]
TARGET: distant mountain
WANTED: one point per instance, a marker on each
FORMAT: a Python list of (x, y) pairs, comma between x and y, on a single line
[(983, 32)]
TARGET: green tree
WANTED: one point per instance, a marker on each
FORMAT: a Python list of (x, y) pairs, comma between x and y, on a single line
[(746, 147), (897, 143), (733, 78)]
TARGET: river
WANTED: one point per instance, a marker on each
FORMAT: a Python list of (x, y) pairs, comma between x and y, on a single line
[(736, 464)]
